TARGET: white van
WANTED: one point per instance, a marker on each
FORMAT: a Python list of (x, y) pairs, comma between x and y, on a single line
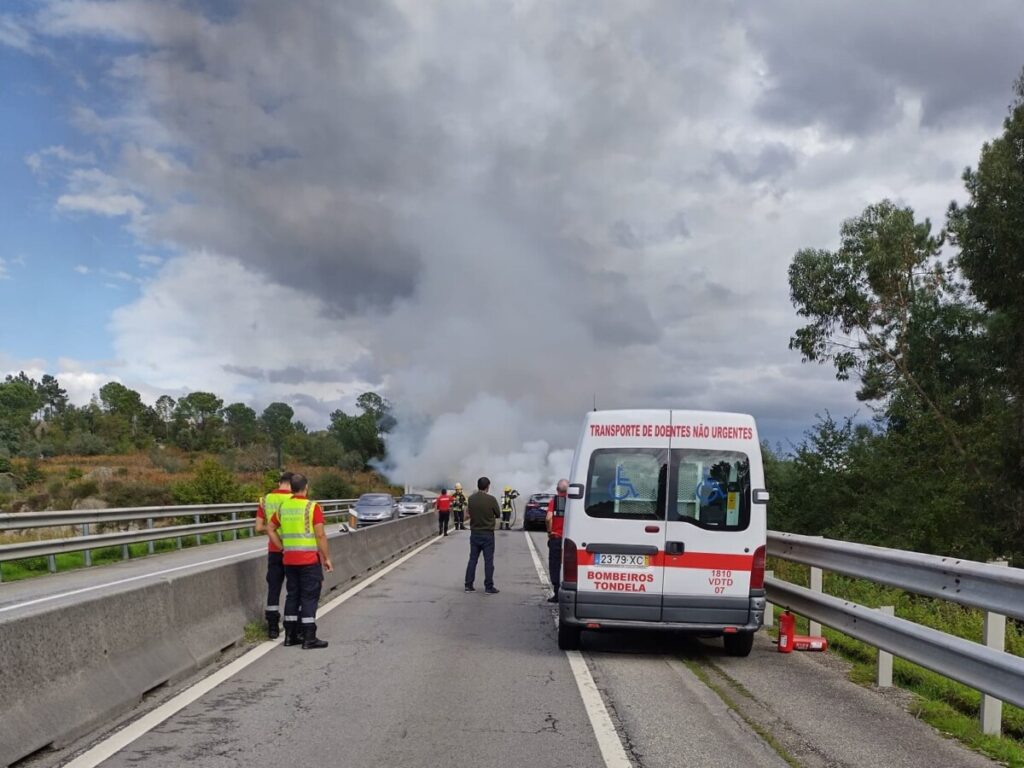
[(665, 527)]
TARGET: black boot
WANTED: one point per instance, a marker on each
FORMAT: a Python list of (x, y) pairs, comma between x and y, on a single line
[(291, 634), (273, 624), (310, 641)]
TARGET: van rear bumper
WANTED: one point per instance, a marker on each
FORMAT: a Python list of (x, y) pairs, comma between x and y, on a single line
[(708, 615)]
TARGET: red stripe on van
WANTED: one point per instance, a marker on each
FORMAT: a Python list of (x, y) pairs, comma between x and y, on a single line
[(698, 560), (705, 561)]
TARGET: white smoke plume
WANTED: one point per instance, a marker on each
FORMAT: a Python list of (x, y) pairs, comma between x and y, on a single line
[(493, 211)]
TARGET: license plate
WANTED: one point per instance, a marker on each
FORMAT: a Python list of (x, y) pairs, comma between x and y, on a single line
[(623, 561)]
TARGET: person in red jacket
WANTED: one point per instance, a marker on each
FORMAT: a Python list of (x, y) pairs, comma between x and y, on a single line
[(555, 520), (444, 510)]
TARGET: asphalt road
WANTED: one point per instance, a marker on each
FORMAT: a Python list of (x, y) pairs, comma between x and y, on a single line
[(420, 673)]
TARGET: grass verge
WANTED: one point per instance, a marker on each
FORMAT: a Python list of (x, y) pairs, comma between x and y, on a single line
[(946, 705)]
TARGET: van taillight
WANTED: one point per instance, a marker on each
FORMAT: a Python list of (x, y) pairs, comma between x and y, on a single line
[(757, 571), (570, 563)]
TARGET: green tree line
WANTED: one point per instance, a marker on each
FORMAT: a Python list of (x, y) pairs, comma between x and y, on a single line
[(38, 421), (931, 326)]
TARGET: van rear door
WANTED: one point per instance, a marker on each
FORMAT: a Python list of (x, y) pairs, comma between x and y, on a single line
[(621, 534), (710, 543)]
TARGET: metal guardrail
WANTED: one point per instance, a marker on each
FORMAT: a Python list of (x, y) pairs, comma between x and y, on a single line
[(84, 518), (996, 673), (967, 582), (994, 588)]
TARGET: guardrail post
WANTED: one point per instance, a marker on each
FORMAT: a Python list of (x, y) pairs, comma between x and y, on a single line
[(234, 532), (88, 553), (883, 675), (125, 554), (813, 627), (994, 636), (149, 525), (769, 609), (199, 538), (51, 563)]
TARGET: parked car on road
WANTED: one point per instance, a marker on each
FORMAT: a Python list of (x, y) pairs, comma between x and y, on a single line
[(412, 504), (376, 508), (536, 510)]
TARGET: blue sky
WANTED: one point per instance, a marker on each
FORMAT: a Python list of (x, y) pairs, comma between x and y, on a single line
[(49, 309)]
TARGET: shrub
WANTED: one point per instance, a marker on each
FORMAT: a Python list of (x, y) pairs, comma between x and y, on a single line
[(86, 444), (84, 489), (212, 483), (168, 462), (118, 494), (5, 459), (74, 473), (331, 485), (26, 473), (254, 458)]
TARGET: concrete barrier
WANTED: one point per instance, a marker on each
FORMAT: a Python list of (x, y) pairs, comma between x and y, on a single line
[(70, 669)]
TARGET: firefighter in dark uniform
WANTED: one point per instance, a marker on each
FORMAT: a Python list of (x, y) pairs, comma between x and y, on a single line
[(507, 500), (459, 503)]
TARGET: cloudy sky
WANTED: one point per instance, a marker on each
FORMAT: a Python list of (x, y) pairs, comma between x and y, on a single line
[(491, 211)]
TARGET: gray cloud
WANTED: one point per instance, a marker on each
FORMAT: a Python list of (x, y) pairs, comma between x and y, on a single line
[(767, 164), (291, 375), (494, 212), (851, 67)]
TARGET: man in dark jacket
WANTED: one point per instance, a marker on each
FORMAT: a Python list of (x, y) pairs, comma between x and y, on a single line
[(483, 512)]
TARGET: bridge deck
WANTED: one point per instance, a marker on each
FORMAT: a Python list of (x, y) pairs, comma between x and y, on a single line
[(420, 674)]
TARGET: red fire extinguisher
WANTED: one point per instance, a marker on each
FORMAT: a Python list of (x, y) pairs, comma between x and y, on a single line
[(787, 629)]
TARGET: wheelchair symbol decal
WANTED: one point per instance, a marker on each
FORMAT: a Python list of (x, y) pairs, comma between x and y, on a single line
[(709, 491), (622, 483)]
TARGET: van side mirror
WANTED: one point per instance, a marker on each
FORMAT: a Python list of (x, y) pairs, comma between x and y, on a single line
[(760, 496), (560, 505), (576, 491)]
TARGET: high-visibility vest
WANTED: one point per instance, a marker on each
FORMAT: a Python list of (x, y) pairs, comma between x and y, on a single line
[(272, 502), (296, 530)]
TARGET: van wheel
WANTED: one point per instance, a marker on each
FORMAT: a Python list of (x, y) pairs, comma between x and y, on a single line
[(739, 644), (568, 637)]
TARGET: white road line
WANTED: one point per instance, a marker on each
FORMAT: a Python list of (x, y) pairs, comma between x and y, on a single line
[(118, 741), (129, 580), (608, 740)]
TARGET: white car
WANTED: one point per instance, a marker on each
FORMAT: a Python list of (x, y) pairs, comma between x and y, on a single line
[(412, 504)]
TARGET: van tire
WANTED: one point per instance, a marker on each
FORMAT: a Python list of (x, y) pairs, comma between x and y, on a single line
[(739, 644), (568, 637)]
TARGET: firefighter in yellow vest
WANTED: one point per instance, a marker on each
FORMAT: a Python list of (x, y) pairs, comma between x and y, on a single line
[(507, 506), (298, 528), (268, 506)]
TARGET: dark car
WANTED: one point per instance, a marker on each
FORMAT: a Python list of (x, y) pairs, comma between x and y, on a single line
[(536, 510)]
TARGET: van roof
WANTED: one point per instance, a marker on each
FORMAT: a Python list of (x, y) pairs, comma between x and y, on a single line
[(598, 417)]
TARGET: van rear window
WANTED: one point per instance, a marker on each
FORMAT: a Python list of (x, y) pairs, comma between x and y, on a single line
[(711, 489), (627, 483)]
